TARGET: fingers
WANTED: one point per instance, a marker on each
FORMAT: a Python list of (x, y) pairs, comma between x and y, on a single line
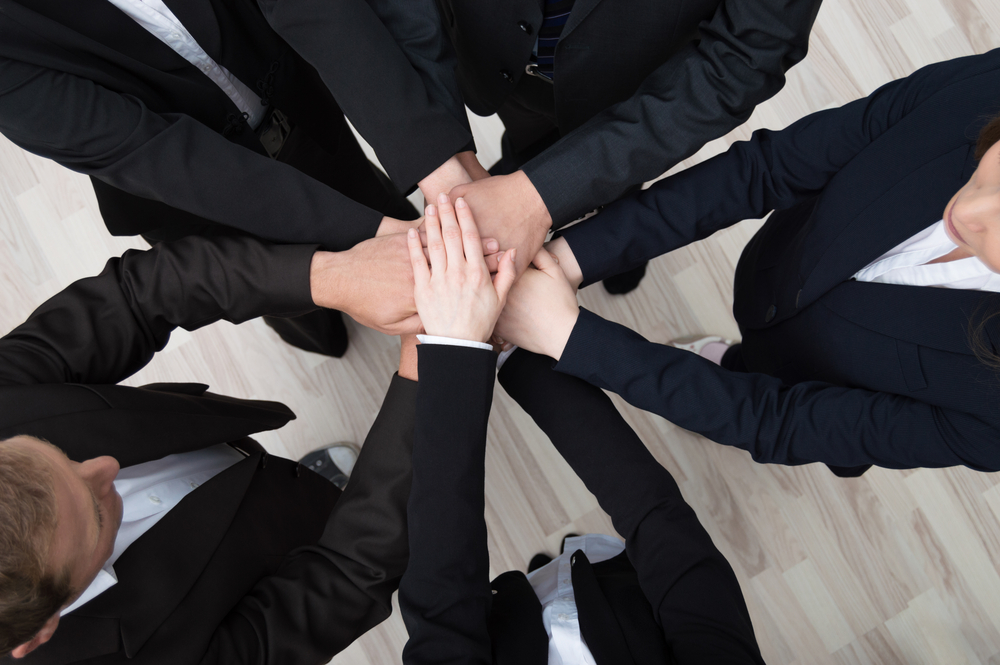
[(506, 274), (490, 246), (470, 233), (493, 261), (435, 243), (420, 272), (451, 231)]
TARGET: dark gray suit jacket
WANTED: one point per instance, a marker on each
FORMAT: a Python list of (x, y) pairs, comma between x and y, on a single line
[(83, 84), (639, 85), (265, 563)]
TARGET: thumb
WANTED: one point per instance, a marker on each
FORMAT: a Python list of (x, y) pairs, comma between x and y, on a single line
[(544, 261), (506, 274)]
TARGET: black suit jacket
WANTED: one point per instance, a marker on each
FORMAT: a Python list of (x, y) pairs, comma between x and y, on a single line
[(674, 600), (82, 83), (845, 372), (265, 563), (639, 85)]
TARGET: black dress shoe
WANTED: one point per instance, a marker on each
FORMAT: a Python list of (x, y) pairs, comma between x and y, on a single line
[(624, 282), (334, 463), (538, 561), (849, 471)]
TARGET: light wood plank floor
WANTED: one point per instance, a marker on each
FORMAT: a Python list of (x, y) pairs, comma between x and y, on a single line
[(893, 568)]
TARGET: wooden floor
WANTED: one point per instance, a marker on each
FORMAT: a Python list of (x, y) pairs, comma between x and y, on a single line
[(893, 568)]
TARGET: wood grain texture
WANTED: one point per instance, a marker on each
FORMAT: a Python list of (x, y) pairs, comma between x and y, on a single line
[(892, 568)]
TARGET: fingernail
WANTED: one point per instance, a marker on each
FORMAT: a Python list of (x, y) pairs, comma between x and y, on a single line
[(554, 257), (492, 245), (460, 202), (442, 198), (412, 233), (513, 254), (430, 210)]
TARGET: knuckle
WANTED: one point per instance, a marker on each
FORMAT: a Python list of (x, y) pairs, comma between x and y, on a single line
[(452, 233)]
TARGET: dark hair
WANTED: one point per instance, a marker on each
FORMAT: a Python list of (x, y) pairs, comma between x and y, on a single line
[(978, 339), (30, 594)]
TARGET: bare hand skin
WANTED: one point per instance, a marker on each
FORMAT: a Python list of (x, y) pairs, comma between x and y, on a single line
[(509, 209), (445, 177), (372, 282), (560, 249), (541, 309), (455, 294), (472, 166), (390, 226), (408, 357)]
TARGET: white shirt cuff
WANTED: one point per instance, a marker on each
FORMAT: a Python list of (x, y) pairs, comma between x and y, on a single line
[(451, 341)]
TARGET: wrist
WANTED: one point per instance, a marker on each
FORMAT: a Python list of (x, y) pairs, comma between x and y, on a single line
[(567, 261), (327, 280), (562, 331), (536, 208)]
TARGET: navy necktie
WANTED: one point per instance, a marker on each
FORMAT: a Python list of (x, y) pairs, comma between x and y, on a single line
[(554, 17)]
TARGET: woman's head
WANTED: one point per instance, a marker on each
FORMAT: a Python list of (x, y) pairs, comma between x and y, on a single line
[(972, 217)]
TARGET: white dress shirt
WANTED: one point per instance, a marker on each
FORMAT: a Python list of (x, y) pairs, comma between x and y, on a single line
[(149, 491), (160, 22), (907, 264), (553, 584)]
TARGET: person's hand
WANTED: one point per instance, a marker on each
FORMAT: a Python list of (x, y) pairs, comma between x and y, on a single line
[(408, 357), (472, 165), (455, 295), (445, 177), (391, 226), (566, 259), (508, 208), (541, 309), (372, 282)]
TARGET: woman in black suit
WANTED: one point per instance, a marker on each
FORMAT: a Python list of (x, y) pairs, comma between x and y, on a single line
[(841, 362)]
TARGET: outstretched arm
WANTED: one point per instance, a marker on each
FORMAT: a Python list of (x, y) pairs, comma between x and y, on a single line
[(687, 581), (772, 171)]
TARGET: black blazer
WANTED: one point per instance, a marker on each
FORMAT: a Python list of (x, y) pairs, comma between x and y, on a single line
[(452, 612), (265, 563), (83, 84), (656, 79), (844, 372)]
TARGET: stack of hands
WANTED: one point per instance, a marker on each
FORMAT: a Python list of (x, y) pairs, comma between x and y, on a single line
[(483, 278)]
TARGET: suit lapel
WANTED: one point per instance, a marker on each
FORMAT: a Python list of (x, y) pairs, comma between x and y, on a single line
[(581, 9), (840, 244), (178, 548)]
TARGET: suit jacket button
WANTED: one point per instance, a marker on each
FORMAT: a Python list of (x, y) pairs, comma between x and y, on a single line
[(771, 311), (525, 26), (506, 76)]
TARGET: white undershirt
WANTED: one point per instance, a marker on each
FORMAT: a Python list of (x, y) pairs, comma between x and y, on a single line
[(160, 22), (906, 264), (149, 491), (553, 584)]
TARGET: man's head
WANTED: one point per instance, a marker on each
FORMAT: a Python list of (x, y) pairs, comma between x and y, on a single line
[(58, 522)]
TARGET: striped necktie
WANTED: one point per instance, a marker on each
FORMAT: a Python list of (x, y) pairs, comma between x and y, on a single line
[(554, 17)]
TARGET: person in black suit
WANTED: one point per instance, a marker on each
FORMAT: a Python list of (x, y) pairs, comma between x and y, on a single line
[(262, 562), (850, 355), (198, 117), (451, 611), (598, 97)]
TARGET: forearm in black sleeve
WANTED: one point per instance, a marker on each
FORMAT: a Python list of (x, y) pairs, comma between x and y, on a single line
[(445, 596), (773, 170), (172, 158), (103, 329), (706, 89), (325, 596), (806, 422), (416, 27), (379, 90), (688, 582)]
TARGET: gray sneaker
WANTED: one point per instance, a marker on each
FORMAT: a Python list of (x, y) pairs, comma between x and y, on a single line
[(334, 463)]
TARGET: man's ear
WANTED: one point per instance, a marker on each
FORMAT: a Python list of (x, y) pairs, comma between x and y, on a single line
[(40, 638)]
